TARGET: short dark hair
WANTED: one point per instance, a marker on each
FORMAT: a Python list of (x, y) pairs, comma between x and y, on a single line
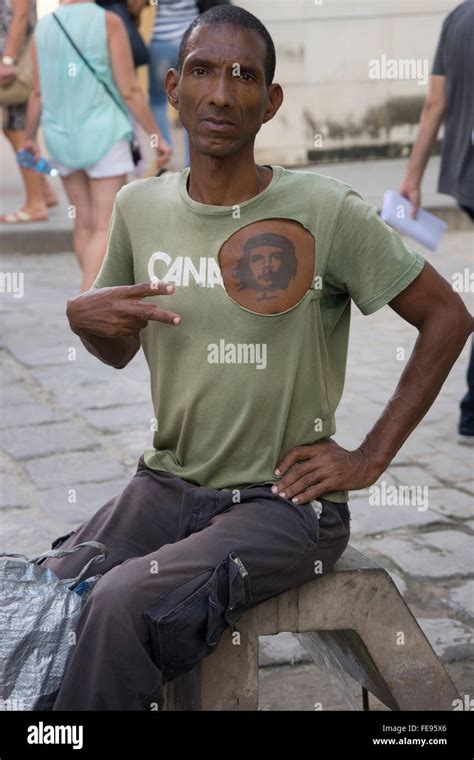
[(233, 15)]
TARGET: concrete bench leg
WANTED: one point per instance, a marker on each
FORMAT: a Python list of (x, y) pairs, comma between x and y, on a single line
[(225, 680), (382, 647), (354, 617)]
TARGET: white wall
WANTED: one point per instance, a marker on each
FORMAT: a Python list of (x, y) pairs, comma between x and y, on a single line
[(323, 54)]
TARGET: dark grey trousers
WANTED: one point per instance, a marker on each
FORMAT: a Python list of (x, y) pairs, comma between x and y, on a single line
[(184, 563)]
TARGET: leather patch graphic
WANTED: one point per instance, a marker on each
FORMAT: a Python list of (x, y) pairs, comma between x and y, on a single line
[(269, 265)]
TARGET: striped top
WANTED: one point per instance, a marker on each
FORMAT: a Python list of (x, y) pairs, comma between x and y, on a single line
[(172, 18)]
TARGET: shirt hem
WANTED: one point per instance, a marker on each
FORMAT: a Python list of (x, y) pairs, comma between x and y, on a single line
[(151, 462)]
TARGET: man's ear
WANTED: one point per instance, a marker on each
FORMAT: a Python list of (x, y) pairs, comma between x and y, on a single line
[(171, 87), (275, 99)]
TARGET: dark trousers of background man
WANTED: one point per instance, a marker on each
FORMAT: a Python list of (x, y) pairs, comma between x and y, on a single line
[(466, 421)]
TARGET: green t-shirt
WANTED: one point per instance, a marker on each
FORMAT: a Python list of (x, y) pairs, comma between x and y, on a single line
[(264, 288)]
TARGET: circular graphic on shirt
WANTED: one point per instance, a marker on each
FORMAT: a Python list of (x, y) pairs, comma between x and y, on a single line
[(269, 265)]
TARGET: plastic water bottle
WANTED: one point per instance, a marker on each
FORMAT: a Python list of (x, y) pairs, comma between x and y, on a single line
[(26, 159)]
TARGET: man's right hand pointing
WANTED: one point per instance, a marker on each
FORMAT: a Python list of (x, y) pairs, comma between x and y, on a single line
[(119, 311)]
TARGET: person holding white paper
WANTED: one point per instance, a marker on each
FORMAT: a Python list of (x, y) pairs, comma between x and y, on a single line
[(450, 100)]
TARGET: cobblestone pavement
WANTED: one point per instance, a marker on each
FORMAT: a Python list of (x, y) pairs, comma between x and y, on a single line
[(72, 430)]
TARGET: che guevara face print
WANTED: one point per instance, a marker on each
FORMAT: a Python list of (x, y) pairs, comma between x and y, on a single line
[(269, 265)]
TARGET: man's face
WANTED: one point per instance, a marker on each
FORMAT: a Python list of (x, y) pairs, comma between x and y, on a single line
[(265, 263), (221, 95)]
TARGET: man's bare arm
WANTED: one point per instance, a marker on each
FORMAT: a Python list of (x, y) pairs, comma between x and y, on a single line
[(108, 320), (116, 352), (444, 324), (432, 116)]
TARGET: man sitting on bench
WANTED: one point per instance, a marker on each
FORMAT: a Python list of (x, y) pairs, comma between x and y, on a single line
[(236, 279)]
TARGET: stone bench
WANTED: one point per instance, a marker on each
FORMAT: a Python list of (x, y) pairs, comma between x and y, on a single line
[(354, 618)]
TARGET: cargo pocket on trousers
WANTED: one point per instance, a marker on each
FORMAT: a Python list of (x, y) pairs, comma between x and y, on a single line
[(185, 630), (240, 595)]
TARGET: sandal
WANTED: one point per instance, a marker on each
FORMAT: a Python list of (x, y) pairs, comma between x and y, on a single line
[(21, 216)]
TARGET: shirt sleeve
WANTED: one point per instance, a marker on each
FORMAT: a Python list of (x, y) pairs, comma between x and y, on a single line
[(439, 63), (117, 266), (368, 259)]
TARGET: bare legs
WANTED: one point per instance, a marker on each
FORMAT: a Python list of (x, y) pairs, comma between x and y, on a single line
[(39, 192), (92, 201)]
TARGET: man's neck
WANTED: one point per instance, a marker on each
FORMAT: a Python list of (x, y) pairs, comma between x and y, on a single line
[(226, 182)]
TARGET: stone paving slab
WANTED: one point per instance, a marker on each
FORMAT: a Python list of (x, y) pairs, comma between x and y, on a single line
[(369, 520), (414, 476), (73, 468), (14, 493), (451, 501), (438, 554), (69, 510), (34, 413), (304, 687), (450, 639), (451, 470), (26, 531), (93, 395), (108, 420), (462, 598), (40, 440)]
